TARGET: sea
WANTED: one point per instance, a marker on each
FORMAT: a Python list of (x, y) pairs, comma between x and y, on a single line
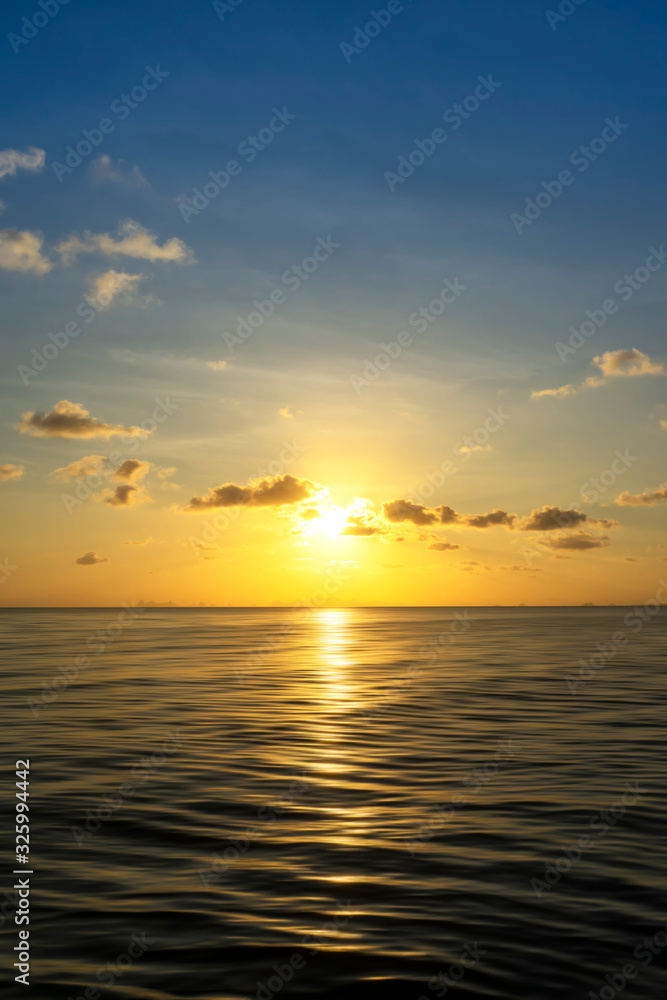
[(414, 803)]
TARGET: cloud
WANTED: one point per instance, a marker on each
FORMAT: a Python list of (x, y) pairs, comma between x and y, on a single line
[(89, 465), (132, 470), (22, 251), (444, 546), (398, 511), (8, 472), (12, 160), (126, 495), (217, 366), (495, 517), (663, 424), (628, 363), (649, 498), (137, 541), (521, 569), (309, 513), (361, 526), (551, 519), (564, 390), (133, 241), (164, 475), (612, 364), (466, 449), (272, 491), (105, 289), (285, 412), (580, 541), (70, 420), (90, 559), (102, 170)]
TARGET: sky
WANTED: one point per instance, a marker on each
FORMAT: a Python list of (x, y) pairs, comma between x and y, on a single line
[(332, 305)]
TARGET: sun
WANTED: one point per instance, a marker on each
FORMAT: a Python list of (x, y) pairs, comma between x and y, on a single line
[(330, 523)]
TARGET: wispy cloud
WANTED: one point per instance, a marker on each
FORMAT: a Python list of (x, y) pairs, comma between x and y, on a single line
[(8, 472), (612, 364), (103, 170), (649, 498), (133, 240), (12, 160), (117, 286)]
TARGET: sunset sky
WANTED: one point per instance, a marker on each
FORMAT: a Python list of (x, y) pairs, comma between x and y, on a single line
[(407, 349)]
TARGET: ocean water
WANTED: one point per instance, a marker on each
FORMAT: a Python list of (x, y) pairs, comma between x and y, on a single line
[(371, 803)]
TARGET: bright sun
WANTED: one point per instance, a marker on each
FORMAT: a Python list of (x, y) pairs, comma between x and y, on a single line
[(330, 523)]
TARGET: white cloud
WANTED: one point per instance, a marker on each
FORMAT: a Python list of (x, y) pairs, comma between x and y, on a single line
[(12, 160), (103, 170), (112, 286), (22, 251), (133, 241)]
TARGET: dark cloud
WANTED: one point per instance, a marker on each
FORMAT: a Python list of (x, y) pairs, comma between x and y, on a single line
[(582, 540), (398, 511), (70, 420), (357, 525), (126, 495), (132, 469), (90, 559), (495, 517), (276, 491), (444, 546)]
